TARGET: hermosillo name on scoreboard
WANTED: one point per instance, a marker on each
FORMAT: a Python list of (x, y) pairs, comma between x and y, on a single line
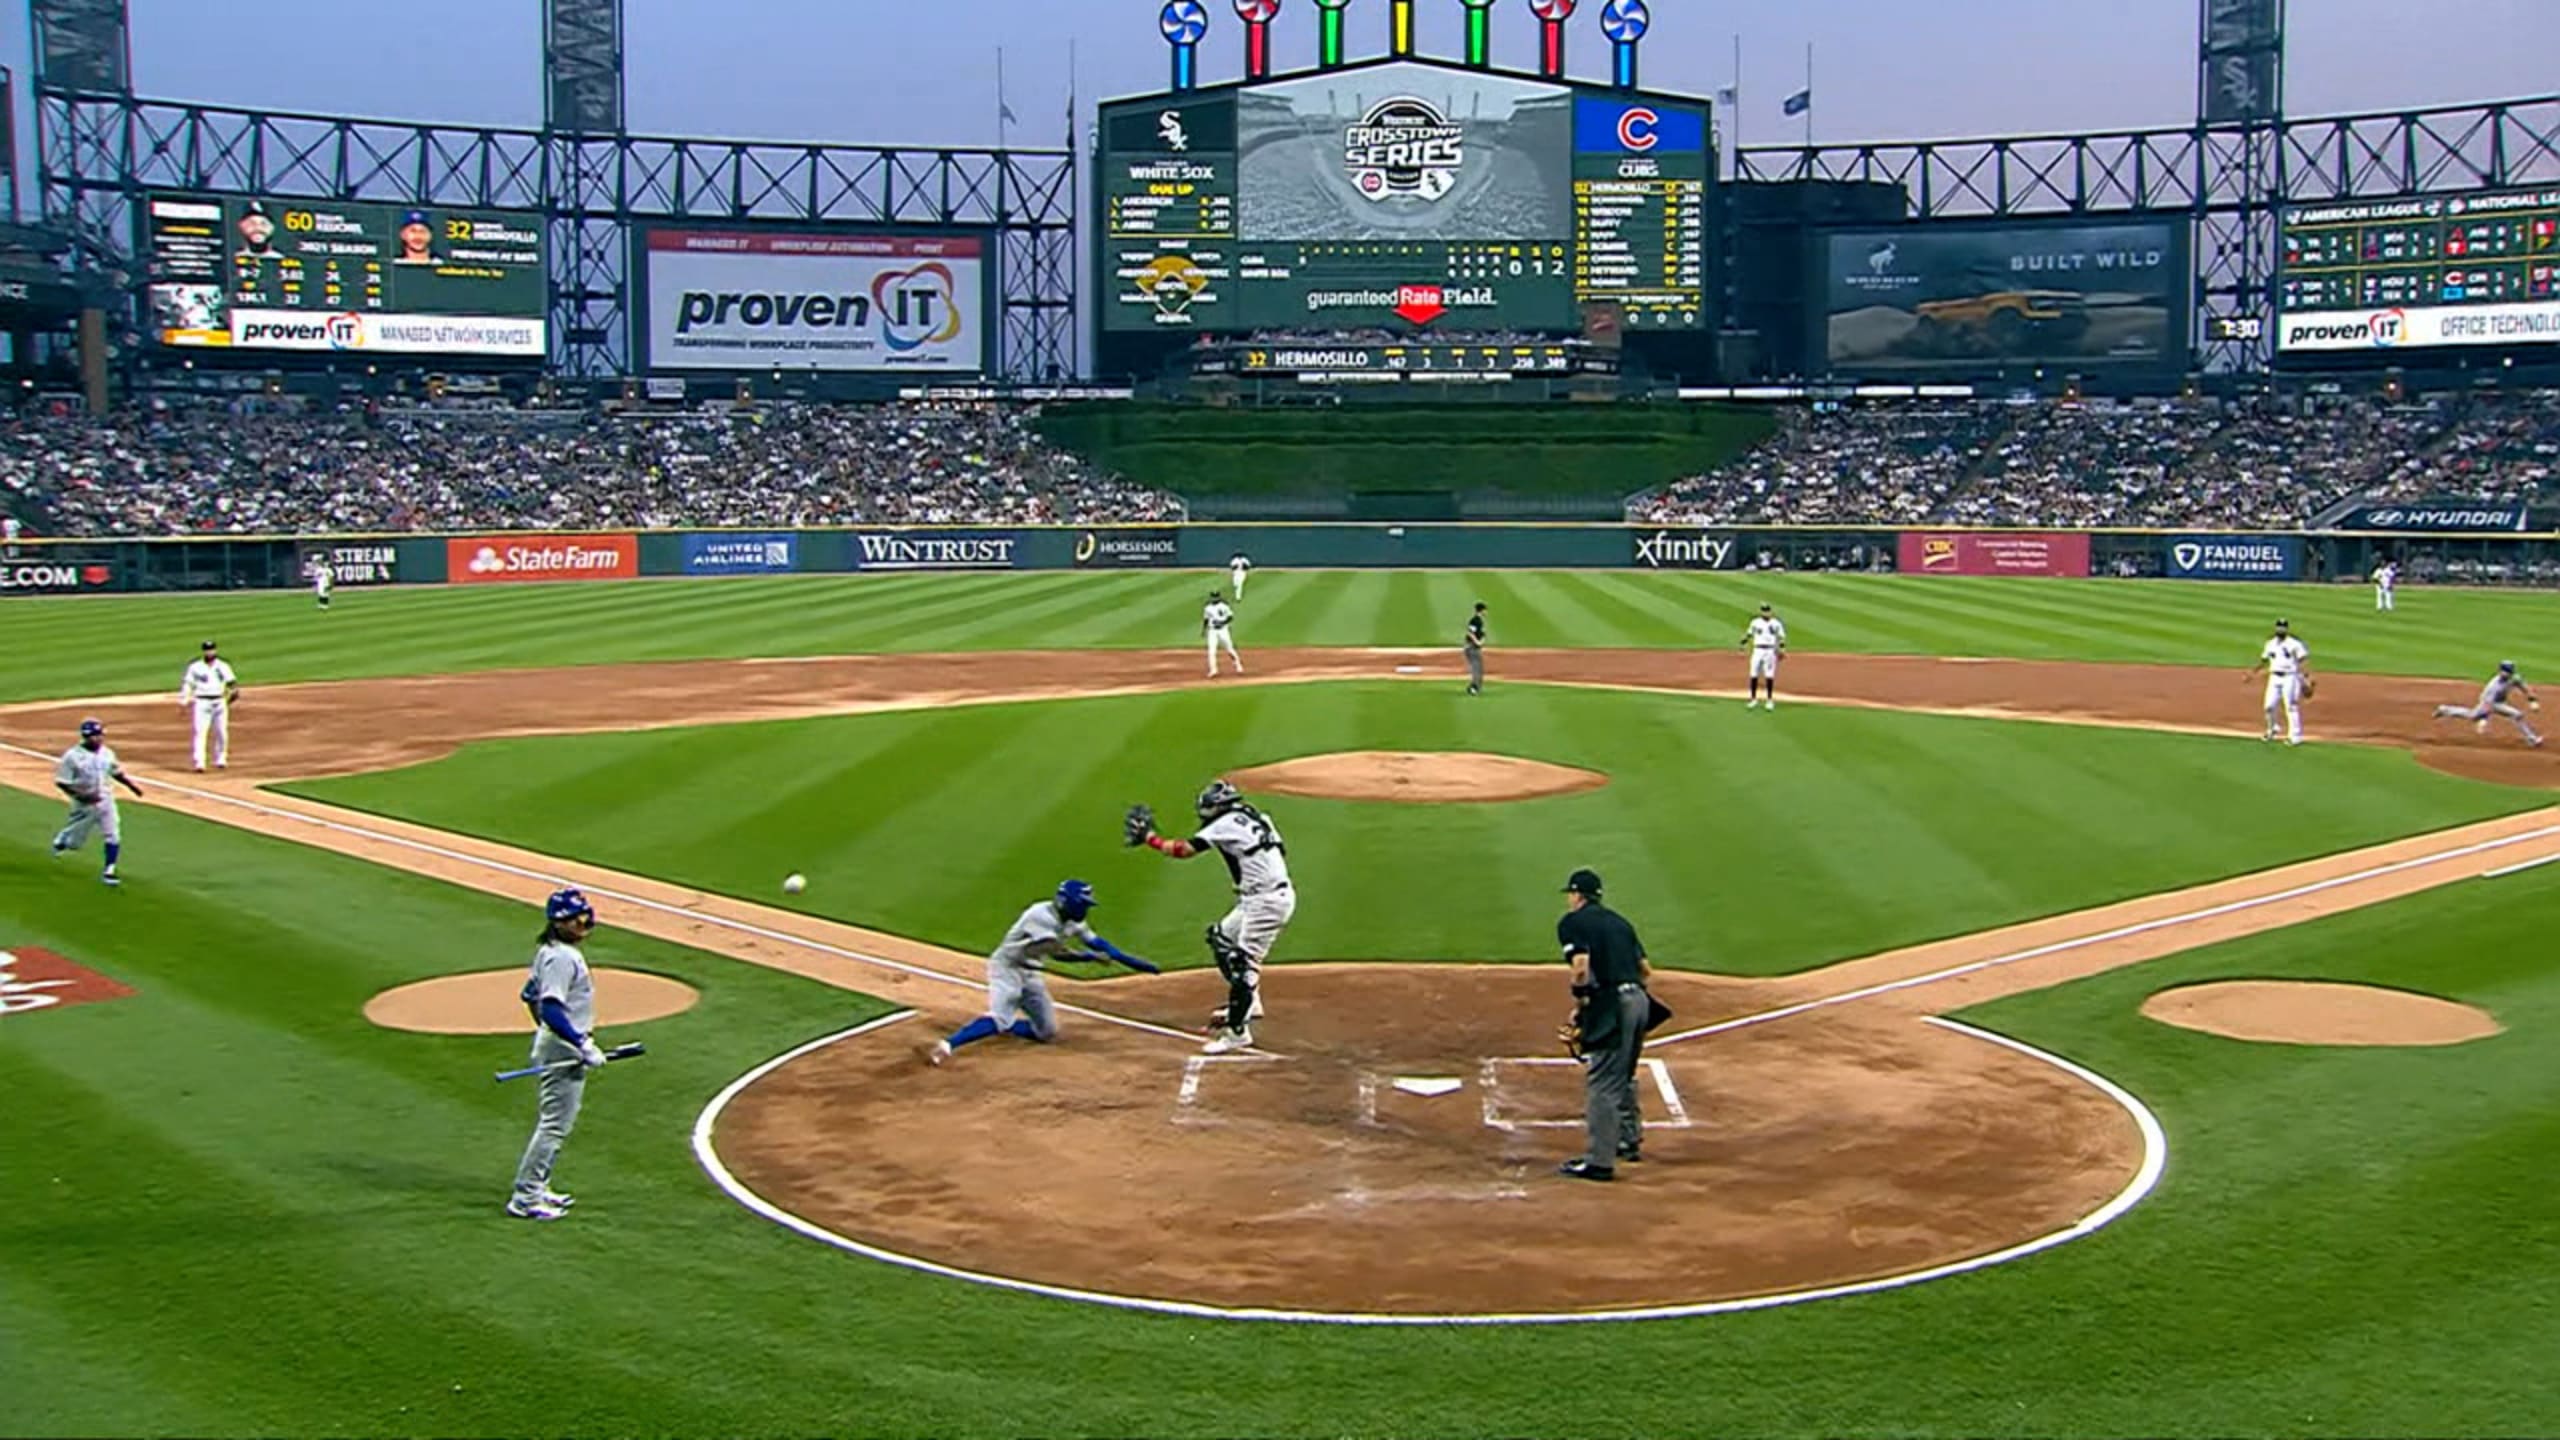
[(1418, 362)]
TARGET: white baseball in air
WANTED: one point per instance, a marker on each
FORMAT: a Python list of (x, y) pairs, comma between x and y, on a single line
[(793, 884)]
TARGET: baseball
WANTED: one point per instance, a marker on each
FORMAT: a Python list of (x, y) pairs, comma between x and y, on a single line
[(794, 884)]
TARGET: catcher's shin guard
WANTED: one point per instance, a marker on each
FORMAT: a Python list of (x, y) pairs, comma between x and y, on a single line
[(1237, 967)]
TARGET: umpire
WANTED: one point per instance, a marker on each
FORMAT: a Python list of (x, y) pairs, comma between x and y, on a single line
[(1611, 1013)]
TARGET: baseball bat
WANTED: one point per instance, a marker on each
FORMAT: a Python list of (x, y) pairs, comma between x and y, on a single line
[(631, 1051)]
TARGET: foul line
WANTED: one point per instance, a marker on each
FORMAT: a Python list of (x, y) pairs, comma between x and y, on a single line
[(2121, 932), (2155, 1158), (2520, 869), (641, 901)]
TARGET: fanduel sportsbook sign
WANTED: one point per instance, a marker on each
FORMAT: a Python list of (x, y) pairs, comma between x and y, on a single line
[(2235, 557), (1686, 550), (925, 550)]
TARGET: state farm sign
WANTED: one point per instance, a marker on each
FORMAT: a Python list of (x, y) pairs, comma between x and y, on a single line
[(498, 559)]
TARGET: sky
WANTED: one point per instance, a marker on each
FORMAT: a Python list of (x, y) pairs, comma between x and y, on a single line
[(924, 71)]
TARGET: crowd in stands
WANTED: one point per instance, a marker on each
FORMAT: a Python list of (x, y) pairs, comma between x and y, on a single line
[(252, 468), (2153, 464)]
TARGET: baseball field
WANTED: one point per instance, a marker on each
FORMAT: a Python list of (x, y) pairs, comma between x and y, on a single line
[(2051, 1055)]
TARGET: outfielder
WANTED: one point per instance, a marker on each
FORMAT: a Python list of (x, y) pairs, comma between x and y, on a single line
[(2386, 579), (208, 693), (1215, 617), (1015, 984), (1239, 565), (1767, 642), (2286, 661), (2493, 701), (323, 579), (84, 775), (1258, 863), (561, 997)]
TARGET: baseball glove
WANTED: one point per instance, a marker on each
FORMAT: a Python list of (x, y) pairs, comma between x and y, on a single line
[(2309, 687), (1139, 824)]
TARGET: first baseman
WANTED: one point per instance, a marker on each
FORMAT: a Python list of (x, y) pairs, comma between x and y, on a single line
[(561, 997), (1015, 986), (1215, 617), (86, 774), (1766, 639), (2493, 701), (2287, 663), (1258, 863), (207, 693)]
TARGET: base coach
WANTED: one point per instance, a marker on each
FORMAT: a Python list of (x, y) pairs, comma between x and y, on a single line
[(1611, 1015)]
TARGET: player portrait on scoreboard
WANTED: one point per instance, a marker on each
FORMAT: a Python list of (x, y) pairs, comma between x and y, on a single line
[(417, 239), (257, 234)]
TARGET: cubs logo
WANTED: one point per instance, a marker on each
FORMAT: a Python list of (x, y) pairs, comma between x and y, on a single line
[(1639, 128)]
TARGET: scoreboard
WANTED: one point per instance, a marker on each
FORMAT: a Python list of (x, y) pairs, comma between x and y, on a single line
[(2430, 271), (1403, 197), (283, 274)]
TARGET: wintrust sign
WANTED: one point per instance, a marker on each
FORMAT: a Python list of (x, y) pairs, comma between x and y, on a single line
[(499, 559), (760, 300), (912, 550)]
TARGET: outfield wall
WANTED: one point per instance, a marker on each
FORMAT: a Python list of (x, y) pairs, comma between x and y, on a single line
[(50, 567)]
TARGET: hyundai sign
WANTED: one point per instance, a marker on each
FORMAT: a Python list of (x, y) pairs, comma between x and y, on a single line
[(2235, 557)]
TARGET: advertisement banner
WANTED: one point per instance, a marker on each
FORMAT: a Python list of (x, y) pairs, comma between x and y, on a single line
[(796, 300), (741, 554), (931, 550), (361, 564), (2235, 557), (1967, 296), (2062, 552), (2416, 327), (2479, 517), (1686, 550), (1127, 549), (55, 577), (500, 559)]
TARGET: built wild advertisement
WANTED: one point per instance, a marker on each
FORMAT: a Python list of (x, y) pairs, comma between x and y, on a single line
[(1966, 297)]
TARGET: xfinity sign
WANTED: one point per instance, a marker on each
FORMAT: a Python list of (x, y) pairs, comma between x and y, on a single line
[(1687, 550)]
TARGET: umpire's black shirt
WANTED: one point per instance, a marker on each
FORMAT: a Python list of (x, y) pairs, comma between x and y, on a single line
[(1617, 956)]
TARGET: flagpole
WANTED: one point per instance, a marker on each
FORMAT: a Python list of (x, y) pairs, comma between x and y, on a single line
[(1001, 107), (1736, 106), (1808, 94)]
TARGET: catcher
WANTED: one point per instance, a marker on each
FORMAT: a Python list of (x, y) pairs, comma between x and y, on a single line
[(1258, 863), (1612, 1013)]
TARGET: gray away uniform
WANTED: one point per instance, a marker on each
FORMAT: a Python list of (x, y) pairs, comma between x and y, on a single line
[(1014, 981), (559, 973)]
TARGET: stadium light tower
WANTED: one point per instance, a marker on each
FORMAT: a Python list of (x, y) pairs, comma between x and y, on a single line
[(1257, 16), (1551, 17)]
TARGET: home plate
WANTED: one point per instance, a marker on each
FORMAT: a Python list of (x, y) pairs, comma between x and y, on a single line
[(1427, 1085), (1408, 669)]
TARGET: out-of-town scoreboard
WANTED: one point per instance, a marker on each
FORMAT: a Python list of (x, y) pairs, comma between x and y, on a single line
[(1401, 197), (2479, 269)]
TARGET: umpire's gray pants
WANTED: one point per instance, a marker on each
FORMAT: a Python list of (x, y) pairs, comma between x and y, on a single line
[(555, 1115), (1475, 668), (1609, 1110)]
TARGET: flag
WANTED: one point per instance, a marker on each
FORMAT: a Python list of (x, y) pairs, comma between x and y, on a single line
[(1799, 102), (1005, 113), (1728, 96)]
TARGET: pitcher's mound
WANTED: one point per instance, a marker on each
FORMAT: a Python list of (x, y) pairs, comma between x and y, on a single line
[(2318, 1012), (1421, 777), (485, 1003)]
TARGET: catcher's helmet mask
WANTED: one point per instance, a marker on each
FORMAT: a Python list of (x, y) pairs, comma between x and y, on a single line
[(1217, 800)]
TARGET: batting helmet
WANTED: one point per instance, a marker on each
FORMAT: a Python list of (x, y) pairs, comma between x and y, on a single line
[(1217, 800), (1075, 898), (2507, 665), (92, 729), (568, 904)]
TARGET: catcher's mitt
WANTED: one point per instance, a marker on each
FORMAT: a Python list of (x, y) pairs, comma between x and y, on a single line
[(1139, 824)]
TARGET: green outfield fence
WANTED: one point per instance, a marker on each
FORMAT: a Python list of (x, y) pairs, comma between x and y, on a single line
[(196, 563)]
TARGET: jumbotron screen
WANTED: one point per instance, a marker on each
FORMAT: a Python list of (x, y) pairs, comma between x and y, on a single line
[(2414, 274), (1403, 195), (240, 272)]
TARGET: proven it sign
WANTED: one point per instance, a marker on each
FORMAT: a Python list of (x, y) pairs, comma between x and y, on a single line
[(2235, 557), (500, 559), (765, 300)]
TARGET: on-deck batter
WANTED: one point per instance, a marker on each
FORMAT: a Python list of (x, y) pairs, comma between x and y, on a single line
[(86, 775), (560, 995), (2287, 663), (2493, 701), (1018, 1002), (1215, 618), (206, 694), (1767, 642), (1258, 863)]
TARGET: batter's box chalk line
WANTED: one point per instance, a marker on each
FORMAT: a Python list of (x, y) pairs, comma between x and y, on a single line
[(1489, 1080)]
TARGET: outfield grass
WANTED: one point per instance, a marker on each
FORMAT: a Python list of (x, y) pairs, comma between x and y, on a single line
[(1743, 842), (229, 1206), (122, 644)]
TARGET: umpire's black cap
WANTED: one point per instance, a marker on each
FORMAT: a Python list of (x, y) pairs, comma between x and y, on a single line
[(1585, 883)]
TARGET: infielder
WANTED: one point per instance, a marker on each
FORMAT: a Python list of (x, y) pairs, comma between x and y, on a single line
[(561, 997), (1766, 639), (1258, 863), (323, 579), (208, 693), (83, 775), (1239, 565), (1215, 617), (2286, 661), (2386, 579), (2493, 701), (1015, 984)]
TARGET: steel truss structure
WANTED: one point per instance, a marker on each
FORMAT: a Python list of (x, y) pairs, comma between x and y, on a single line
[(100, 154), (2230, 179)]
